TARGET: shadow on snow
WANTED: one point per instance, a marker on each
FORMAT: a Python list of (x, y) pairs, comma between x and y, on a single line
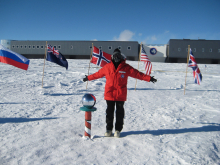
[(22, 120), (209, 128), (171, 89)]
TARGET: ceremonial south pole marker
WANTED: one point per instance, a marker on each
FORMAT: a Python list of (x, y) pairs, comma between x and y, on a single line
[(88, 102)]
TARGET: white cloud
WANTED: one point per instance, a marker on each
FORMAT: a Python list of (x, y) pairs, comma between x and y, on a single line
[(94, 40), (126, 35), (140, 34)]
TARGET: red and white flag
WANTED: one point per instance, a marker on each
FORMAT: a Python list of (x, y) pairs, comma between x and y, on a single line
[(99, 57), (147, 63)]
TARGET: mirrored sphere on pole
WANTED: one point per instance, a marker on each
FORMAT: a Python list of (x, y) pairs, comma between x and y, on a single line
[(88, 100)]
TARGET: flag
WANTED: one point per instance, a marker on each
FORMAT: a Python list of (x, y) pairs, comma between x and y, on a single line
[(147, 63), (197, 76), (99, 57), (196, 72), (55, 56), (192, 61), (9, 57)]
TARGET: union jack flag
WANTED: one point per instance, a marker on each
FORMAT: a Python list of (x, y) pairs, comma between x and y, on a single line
[(147, 63), (100, 58), (53, 50), (196, 72), (197, 76), (192, 61)]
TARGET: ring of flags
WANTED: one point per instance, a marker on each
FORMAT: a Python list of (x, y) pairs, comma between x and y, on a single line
[(99, 58)]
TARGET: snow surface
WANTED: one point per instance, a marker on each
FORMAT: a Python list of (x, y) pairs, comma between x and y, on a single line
[(44, 126)]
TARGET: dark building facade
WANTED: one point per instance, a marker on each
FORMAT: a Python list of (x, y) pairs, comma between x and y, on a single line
[(205, 51)]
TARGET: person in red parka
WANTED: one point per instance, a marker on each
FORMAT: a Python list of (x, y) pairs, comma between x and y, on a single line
[(116, 73)]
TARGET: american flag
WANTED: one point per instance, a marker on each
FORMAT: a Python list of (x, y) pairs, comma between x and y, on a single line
[(196, 72), (147, 63), (100, 58)]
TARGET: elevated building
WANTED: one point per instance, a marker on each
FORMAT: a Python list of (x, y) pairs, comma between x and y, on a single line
[(205, 51), (72, 49)]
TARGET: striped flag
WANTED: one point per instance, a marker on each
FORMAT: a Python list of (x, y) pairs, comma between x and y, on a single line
[(147, 63), (12, 58)]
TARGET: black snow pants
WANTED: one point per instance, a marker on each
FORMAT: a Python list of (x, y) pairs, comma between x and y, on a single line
[(119, 115)]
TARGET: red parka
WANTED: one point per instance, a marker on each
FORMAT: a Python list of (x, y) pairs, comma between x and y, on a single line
[(116, 80)]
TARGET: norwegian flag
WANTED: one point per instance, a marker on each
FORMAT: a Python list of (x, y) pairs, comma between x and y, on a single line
[(196, 72), (147, 63), (100, 58)]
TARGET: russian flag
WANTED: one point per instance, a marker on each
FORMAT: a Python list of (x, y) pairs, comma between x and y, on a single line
[(9, 57)]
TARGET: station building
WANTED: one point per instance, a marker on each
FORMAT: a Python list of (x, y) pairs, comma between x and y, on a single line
[(205, 51)]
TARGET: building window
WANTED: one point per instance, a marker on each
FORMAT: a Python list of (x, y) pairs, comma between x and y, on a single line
[(21, 46), (179, 49), (42, 46), (33, 47), (186, 49), (17, 46), (110, 48), (129, 48), (29, 46), (203, 49), (194, 50), (25, 46), (13, 46), (59, 46), (55, 47), (210, 50), (71, 47), (90, 47), (100, 47), (218, 50), (119, 47), (37, 46)]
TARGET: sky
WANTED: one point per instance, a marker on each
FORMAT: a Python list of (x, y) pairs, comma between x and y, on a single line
[(146, 21)]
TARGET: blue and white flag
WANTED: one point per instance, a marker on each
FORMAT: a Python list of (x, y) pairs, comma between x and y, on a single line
[(9, 57)]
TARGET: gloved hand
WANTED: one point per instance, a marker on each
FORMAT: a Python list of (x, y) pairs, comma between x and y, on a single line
[(85, 79), (153, 80)]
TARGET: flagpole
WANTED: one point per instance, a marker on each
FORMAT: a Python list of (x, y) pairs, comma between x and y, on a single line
[(138, 63), (89, 63), (187, 67), (44, 63)]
